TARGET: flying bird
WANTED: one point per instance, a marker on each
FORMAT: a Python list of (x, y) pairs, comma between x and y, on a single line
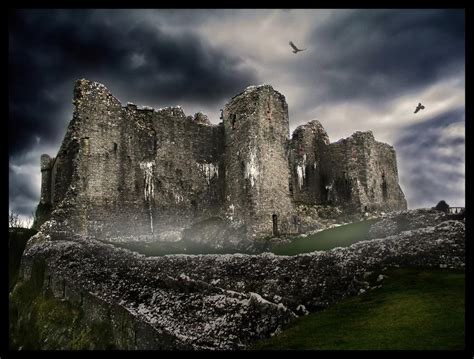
[(295, 49), (419, 107)]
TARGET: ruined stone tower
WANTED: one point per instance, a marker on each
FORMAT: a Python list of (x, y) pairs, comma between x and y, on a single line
[(358, 173), (256, 161), (127, 172)]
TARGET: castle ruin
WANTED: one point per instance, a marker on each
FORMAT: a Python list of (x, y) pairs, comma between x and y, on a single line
[(128, 171)]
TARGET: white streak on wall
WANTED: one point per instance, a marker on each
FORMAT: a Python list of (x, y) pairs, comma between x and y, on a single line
[(210, 170), (149, 190), (231, 212), (301, 172), (251, 168)]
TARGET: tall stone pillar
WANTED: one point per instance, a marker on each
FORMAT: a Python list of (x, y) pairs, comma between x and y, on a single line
[(46, 167)]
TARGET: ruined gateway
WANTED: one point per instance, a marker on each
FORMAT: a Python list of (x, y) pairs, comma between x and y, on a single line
[(123, 171)]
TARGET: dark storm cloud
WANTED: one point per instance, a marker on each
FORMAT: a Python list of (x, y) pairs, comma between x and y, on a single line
[(373, 55), (136, 60), (432, 157), (369, 58), (49, 49), (23, 193)]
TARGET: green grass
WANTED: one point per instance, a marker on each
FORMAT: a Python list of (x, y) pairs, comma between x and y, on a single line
[(415, 309), (164, 248), (153, 249), (342, 236)]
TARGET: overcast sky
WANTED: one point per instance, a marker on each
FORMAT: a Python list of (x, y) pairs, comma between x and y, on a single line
[(362, 70)]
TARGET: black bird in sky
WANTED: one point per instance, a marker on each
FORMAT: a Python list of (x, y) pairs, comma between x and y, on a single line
[(295, 49), (419, 107)]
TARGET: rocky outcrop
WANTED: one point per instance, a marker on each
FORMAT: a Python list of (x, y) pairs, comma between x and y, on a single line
[(221, 301)]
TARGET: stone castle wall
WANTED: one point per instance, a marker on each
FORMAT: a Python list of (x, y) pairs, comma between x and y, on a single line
[(128, 171), (361, 174), (309, 147)]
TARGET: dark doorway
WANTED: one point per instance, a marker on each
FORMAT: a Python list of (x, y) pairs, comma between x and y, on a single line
[(275, 224), (194, 206), (384, 188)]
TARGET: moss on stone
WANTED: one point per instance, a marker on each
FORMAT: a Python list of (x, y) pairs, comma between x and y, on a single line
[(17, 239), (40, 321)]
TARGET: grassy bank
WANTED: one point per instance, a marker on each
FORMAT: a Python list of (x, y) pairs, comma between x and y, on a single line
[(342, 236), (164, 248), (414, 309)]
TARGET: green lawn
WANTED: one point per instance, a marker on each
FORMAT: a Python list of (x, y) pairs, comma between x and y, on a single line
[(415, 309), (342, 236), (164, 248)]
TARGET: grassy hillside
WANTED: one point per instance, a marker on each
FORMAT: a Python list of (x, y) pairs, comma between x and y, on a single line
[(414, 309), (342, 236)]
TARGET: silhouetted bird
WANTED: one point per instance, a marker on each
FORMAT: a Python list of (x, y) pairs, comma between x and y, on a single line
[(419, 107), (222, 114), (295, 49)]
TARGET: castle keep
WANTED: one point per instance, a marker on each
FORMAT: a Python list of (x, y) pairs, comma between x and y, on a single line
[(127, 171)]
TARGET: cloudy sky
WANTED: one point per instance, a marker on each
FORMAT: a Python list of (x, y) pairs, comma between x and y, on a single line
[(362, 70)]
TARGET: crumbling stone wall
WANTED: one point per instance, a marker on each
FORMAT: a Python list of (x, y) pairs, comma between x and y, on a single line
[(361, 175), (358, 173), (309, 147), (135, 170), (124, 171)]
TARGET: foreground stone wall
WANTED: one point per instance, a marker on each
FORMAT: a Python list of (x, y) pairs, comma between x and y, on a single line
[(225, 301)]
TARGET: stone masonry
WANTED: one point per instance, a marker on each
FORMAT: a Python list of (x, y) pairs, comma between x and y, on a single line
[(128, 171)]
